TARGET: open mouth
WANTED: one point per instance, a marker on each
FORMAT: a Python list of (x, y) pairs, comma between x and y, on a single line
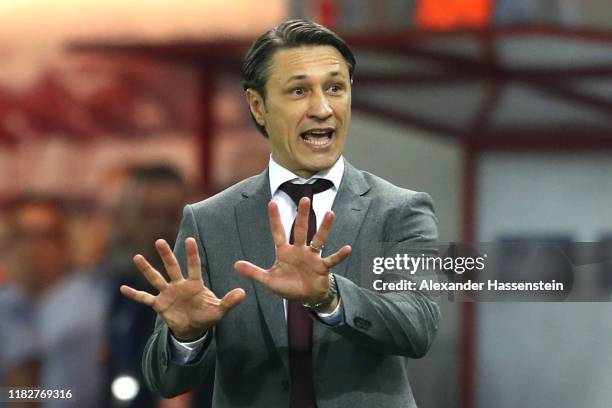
[(318, 137)]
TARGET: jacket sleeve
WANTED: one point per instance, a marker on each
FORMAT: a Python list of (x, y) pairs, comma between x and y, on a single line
[(162, 373), (403, 322)]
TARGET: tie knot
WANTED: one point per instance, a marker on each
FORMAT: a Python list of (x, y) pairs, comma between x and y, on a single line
[(297, 191)]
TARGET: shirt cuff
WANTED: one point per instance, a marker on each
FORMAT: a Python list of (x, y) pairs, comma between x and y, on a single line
[(334, 318), (185, 353)]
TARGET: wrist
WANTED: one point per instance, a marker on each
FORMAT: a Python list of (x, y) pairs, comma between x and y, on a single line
[(190, 336), (329, 302), (333, 305)]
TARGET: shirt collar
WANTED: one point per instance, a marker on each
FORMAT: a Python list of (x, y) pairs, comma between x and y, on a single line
[(278, 174)]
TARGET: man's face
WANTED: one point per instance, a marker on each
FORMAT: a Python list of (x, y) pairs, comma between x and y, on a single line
[(152, 211), (307, 107), (40, 250)]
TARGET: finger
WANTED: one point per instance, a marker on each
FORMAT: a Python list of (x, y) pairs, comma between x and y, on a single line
[(248, 270), (320, 238), (335, 258), (300, 231), (212, 301), (278, 232), (194, 266), (169, 260), (137, 295), (150, 274), (232, 299)]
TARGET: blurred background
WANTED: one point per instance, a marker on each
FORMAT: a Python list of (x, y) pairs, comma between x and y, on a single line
[(113, 116)]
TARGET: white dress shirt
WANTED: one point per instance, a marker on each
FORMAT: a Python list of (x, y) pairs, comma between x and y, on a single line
[(184, 352)]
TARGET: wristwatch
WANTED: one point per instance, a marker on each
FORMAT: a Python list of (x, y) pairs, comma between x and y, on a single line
[(329, 298)]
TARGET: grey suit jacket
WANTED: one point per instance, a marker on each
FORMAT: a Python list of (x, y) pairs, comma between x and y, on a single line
[(361, 362)]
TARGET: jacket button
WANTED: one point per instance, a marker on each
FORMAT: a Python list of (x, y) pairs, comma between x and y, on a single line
[(362, 323)]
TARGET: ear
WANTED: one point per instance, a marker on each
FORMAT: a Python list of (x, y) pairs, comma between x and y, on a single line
[(256, 104)]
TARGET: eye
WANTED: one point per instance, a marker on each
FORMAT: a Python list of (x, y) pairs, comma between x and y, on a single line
[(336, 88), (297, 91)]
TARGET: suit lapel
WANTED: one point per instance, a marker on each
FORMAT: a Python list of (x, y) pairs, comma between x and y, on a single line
[(350, 206), (258, 248)]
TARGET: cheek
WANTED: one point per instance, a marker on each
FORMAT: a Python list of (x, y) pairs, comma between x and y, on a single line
[(286, 116), (346, 108), (278, 127)]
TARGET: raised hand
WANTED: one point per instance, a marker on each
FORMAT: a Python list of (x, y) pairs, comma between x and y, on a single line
[(299, 271), (187, 306)]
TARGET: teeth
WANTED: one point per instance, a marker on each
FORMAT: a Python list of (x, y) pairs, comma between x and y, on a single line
[(317, 137), (317, 142)]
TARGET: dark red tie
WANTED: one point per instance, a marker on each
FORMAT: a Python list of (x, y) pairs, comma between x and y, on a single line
[(299, 323)]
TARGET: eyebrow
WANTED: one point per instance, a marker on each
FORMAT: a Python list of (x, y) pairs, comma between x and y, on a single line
[(302, 76)]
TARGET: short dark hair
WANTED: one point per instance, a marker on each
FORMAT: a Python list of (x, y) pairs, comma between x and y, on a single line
[(156, 172), (290, 34), (145, 175)]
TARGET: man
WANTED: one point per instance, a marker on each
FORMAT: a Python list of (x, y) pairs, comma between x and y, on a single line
[(304, 332), (39, 325), (148, 207), (32, 225)]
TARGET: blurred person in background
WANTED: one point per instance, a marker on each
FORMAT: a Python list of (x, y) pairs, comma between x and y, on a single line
[(149, 206), (67, 331), (36, 244)]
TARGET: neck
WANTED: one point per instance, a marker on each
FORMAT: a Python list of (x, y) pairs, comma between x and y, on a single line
[(304, 173)]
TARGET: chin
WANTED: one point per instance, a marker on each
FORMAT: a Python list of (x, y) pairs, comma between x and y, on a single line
[(320, 164)]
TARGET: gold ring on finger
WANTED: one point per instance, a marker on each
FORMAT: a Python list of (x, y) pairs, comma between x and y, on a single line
[(316, 248)]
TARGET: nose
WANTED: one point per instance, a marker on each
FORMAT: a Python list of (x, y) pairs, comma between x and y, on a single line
[(319, 107)]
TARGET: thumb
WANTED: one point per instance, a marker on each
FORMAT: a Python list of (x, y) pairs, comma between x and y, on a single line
[(233, 298)]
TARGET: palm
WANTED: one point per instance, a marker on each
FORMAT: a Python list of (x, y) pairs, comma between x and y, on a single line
[(299, 272), (187, 306)]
